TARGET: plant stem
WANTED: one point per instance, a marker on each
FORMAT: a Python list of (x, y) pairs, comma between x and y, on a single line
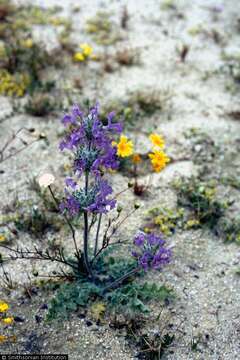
[(85, 236), (85, 245), (117, 282), (69, 224), (97, 234)]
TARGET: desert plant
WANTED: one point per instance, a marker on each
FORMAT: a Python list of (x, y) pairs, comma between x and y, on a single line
[(200, 198), (94, 153)]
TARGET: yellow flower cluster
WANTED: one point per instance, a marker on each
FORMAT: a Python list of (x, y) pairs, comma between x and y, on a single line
[(6, 320), (13, 85), (84, 54), (158, 157)]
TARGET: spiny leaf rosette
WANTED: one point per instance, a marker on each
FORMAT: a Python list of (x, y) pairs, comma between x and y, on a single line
[(94, 153)]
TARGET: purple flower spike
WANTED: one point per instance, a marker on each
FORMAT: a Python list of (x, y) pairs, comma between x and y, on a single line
[(91, 144)]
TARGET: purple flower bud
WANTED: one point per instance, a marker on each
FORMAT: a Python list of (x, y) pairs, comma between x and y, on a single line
[(76, 112), (67, 119), (116, 127), (154, 239), (71, 183), (139, 239)]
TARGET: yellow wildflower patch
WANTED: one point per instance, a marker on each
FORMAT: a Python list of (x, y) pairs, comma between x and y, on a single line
[(13, 85), (8, 320), (192, 223), (84, 54)]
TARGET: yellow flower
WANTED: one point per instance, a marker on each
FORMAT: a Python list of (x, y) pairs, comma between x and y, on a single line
[(191, 224), (124, 147), (136, 159), (78, 57), (2, 238), (3, 338), (28, 43), (55, 21), (8, 320), (87, 49), (159, 160), (157, 140), (3, 307)]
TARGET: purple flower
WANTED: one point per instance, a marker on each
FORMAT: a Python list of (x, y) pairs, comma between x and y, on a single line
[(90, 141), (154, 239), (152, 252), (72, 118), (139, 239), (93, 152), (116, 127), (102, 204), (67, 119), (135, 254), (145, 260), (161, 258), (71, 205), (77, 112), (71, 183)]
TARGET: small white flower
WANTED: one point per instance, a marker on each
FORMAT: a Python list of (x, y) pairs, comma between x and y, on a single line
[(45, 180)]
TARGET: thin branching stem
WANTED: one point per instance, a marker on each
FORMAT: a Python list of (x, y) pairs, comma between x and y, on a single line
[(121, 192), (107, 238), (97, 234), (7, 144), (37, 255), (85, 235), (69, 224)]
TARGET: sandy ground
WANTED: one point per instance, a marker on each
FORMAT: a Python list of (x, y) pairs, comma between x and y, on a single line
[(203, 272)]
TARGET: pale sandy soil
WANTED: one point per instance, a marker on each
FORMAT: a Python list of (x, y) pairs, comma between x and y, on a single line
[(203, 274)]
